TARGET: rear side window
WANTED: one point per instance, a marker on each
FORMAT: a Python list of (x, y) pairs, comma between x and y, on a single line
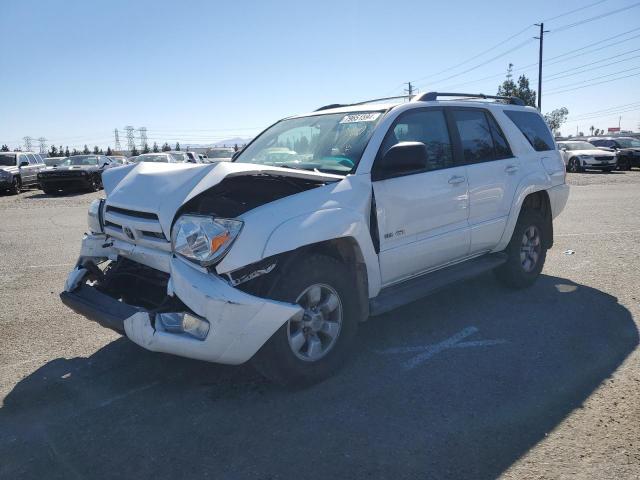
[(476, 136), (534, 128), (428, 127)]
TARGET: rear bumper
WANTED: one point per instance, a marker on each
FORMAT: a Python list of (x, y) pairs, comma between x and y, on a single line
[(239, 323)]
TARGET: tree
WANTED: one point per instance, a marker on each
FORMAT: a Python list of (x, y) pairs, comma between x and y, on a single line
[(581, 134), (101, 152), (109, 152), (96, 150), (53, 152), (522, 90), (66, 152), (61, 152), (591, 129), (155, 147), (85, 150), (166, 147), (145, 148), (135, 152), (556, 118), (5, 148), (75, 152), (235, 147), (177, 146)]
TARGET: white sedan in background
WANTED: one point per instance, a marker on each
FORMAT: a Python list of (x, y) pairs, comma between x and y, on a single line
[(579, 156)]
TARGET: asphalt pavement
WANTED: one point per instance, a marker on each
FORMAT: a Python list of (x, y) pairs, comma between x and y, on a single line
[(475, 382)]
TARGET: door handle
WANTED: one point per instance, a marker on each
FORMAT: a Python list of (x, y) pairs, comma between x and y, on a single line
[(456, 179), (511, 168)]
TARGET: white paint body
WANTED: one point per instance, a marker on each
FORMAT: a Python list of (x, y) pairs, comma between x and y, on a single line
[(443, 216)]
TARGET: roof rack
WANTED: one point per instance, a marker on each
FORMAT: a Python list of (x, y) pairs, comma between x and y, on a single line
[(340, 105), (431, 96)]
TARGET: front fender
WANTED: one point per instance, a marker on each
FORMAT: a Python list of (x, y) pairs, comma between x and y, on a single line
[(324, 225)]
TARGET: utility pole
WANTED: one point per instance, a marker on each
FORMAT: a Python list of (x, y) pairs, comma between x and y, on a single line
[(43, 144), (143, 137), (410, 90), (619, 120), (131, 141), (118, 147), (541, 38)]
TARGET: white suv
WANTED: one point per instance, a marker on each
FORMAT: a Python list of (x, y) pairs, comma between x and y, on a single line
[(323, 220)]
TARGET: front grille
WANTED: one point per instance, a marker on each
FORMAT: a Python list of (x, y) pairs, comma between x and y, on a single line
[(134, 226), (603, 158), (62, 174)]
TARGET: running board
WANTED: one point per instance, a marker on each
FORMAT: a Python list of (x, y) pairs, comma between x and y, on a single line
[(416, 288)]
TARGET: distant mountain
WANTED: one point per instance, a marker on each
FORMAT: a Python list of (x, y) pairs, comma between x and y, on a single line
[(229, 142)]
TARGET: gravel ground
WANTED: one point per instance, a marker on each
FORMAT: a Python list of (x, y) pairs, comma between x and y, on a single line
[(541, 383)]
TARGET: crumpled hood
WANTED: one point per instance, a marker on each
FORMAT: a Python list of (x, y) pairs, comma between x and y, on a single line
[(162, 188)]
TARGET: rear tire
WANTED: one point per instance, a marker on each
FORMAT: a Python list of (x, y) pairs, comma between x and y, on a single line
[(310, 348), (526, 252)]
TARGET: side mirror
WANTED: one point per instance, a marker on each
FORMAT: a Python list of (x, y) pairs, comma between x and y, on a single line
[(563, 149), (401, 159), (24, 163)]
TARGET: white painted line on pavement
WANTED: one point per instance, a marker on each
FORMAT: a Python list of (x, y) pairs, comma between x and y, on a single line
[(425, 352), (51, 265)]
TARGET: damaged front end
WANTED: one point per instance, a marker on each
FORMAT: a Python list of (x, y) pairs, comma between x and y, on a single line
[(186, 311)]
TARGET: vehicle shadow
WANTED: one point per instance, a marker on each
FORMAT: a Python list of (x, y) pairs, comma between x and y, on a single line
[(65, 193), (522, 362)]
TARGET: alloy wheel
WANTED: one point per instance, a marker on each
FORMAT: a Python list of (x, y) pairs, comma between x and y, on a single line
[(314, 332), (530, 248)]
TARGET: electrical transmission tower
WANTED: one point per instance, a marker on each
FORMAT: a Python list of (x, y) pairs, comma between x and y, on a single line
[(27, 143), (117, 145), (43, 144), (143, 137), (131, 141)]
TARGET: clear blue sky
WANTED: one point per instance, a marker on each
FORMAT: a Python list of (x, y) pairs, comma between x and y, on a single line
[(198, 71)]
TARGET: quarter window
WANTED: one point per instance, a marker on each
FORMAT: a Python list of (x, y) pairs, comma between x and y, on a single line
[(475, 135), (534, 128), (428, 127)]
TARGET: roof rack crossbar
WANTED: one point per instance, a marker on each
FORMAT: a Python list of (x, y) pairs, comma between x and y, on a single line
[(340, 105), (431, 96)]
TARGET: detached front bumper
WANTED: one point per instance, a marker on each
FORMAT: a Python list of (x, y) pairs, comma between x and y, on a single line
[(239, 323)]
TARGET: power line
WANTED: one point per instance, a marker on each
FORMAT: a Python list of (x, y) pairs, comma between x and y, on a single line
[(597, 17), (556, 77), (574, 11), (624, 105), (605, 115), (597, 78), (555, 92)]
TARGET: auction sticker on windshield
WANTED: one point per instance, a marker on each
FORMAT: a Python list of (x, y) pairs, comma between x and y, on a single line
[(360, 117)]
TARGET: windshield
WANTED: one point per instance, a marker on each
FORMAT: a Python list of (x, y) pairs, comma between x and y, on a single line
[(221, 153), (80, 160), (577, 146), (7, 159), (52, 161), (628, 142), (331, 143), (177, 157), (150, 157)]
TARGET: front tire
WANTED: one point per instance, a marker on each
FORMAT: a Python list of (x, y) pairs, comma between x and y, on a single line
[(574, 166), (526, 252), (312, 346), (16, 186)]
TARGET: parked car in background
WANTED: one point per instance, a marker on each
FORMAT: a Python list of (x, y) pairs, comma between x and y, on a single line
[(18, 170), (118, 159), (278, 259), (132, 159), (220, 154), (53, 161), (579, 156), (194, 157), (76, 172), (626, 148), (163, 157)]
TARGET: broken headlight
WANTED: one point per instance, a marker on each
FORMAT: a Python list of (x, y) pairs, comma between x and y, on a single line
[(94, 216), (203, 239)]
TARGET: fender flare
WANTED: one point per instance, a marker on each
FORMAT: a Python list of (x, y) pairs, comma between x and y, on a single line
[(535, 182), (324, 225)]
